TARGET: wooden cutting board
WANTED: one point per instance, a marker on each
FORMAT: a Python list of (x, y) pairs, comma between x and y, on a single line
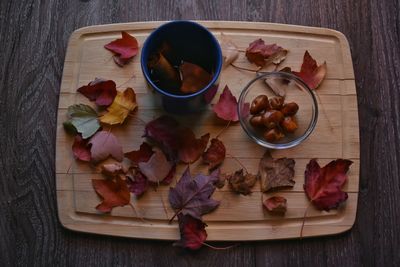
[(238, 217)]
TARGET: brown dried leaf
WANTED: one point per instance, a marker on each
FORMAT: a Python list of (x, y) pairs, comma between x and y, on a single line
[(241, 183)]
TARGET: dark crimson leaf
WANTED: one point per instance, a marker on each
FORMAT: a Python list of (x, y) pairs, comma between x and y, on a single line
[(100, 90), (142, 155), (193, 233), (190, 148), (215, 154)]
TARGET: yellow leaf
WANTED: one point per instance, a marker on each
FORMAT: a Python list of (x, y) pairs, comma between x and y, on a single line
[(124, 103)]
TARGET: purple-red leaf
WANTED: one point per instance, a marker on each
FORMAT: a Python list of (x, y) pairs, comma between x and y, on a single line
[(192, 196), (105, 144), (226, 108), (323, 186), (81, 148), (190, 148), (156, 168), (137, 183), (100, 90), (142, 155), (193, 233)]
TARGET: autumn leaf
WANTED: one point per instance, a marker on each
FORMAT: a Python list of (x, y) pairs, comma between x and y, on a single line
[(70, 128), (310, 72), (100, 90), (114, 193), (230, 51), (156, 168), (113, 169), (323, 186), (192, 196), (84, 119), (276, 173), (137, 183), (226, 108), (276, 204), (105, 144), (123, 104), (81, 149), (260, 54), (242, 183), (125, 48), (210, 93), (190, 148), (142, 155), (164, 73), (215, 154), (194, 77), (193, 233)]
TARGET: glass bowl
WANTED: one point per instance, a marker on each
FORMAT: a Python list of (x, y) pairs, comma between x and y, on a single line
[(295, 90)]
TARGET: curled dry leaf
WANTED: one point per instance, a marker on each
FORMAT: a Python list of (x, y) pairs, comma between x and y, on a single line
[(125, 48), (193, 233), (192, 196), (113, 192), (226, 108), (310, 72), (323, 186), (142, 155), (215, 154), (123, 104), (81, 149), (276, 204), (230, 51), (242, 183), (100, 90), (194, 78), (276, 173), (190, 148), (105, 144), (260, 54), (156, 168), (84, 119), (163, 72), (137, 182)]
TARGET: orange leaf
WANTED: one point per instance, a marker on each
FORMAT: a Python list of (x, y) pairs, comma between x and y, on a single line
[(114, 193)]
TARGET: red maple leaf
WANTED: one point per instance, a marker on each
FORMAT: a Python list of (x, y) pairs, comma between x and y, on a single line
[(193, 233), (81, 148), (323, 186), (310, 72), (142, 155), (100, 90), (190, 148), (114, 193), (226, 108), (124, 48), (215, 154)]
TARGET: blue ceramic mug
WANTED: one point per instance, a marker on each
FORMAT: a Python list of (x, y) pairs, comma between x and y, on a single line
[(190, 42)]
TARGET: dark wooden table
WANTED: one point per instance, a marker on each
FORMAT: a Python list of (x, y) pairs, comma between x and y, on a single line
[(33, 39)]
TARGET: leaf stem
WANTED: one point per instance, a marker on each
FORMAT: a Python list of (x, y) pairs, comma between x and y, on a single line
[(323, 111), (238, 161), (125, 82), (304, 220), (137, 118), (226, 127), (219, 248), (246, 69), (137, 213)]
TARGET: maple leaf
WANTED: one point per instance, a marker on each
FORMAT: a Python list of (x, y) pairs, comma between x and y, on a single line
[(193, 233), (114, 193), (123, 104), (276, 173), (113, 169), (156, 168), (260, 54), (323, 186), (190, 148), (142, 155), (310, 72), (105, 144), (241, 183), (100, 90), (226, 108), (192, 196), (84, 119), (215, 154), (230, 51), (162, 130), (276, 204), (81, 149), (194, 77), (125, 48), (137, 183)]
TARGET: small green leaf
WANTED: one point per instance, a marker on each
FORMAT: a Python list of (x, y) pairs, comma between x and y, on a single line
[(69, 128), (84, 119)]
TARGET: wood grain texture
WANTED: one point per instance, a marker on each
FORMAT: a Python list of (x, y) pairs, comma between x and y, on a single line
[(33, 38)]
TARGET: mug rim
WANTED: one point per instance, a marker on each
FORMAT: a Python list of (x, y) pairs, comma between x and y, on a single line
[(146, 70)]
